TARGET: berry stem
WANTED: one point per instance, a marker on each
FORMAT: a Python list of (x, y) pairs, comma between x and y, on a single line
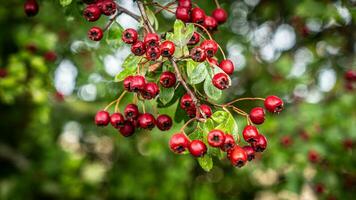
[(243, 99), (110, 104), (222, 52), (144, 16), (204, 29), (217, 3), (124, 10), (143, 107), (161, 6), (118, 101), (164, 7), (186, 124)]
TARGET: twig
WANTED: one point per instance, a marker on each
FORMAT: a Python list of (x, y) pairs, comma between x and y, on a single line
[(144, 16), (243, 99)]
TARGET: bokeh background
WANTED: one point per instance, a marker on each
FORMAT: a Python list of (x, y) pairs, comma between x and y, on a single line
[(53, 80)]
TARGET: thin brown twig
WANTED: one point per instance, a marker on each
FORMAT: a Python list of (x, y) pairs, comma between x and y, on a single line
[(243, 99)]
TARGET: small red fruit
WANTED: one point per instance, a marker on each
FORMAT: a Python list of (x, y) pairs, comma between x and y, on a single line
[(178, 143), (167, 48), (95, 33), (229, 143), (250, 134), (197, 15), (150, 91), (186, 102), (238, 157), (131, 111), (153, 53), (183, 14), (191, 112), (227, 66), (164, 122), (210, 23), (129, 36), (138, 48), (220, 15), (108, 7), (249, 152), (117, 120), (216, 138), (151, 40), (194, 39), (31, 8), (102, 118), (313, 156), (286, 141), (257, 115), (185, 3), (350, 75), (127, 129), (273, 104), (210, 47), (206, 110), (127, 83), (197, 54), (213, 61), (92, 13), (50, 56), (138, 83), (146, 121), (167, 79), (197, 148), (261, 143), (221, 81)]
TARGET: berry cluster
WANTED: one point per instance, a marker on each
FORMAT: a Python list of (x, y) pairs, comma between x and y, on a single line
[(350, 78)]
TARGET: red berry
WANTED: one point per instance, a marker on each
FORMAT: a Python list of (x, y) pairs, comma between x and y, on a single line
[(92, 13), (249, 152), (50, 56), (273, 104), (197, 148), (216, 138), (350, 75), (313, 156), (150, 91), (319, 188), (286, 141), (117, 120), (257, 115), (210, 47), (146, 121), (185, 3), (183, 14), (186, 102), (153, 53), (151, 40), (210, 23), (138, 48), (229, 143), (167, 79), (206, 110), (194, 39), (108, 7), (31, 8), (138, 83), (127, 83), (220, 15), (131, 111), (178, 143), (3, 72), (250, 134), (167, 48), (227, 66), (261, 143), (102, 118), (127, 129), (197, 15), (95, 33), (164, 122), (221, 81), (129, 36), (213, 61), (197, 54), (191, 112), (238, 157)]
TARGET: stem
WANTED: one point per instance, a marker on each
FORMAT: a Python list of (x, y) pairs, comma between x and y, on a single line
[(108, 106), (222, 52), (118, 101), (144, 16), (124, 10), (205, 30), (243, 99), (186, 124), (143, 107), (217, 3), (165, 7)]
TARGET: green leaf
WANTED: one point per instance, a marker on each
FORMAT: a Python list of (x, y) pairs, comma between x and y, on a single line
[(207, 126), (199, 74), (152, 18), (166, 94), (226, 123), (65, 2), (124, 73), (210, 90), (113, 37), (206, 162), (131, 61), (219, 116), (191, 65), (182, 33)]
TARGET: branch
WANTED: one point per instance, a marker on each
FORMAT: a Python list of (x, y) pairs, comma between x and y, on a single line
[(144, 16), (124, 10)]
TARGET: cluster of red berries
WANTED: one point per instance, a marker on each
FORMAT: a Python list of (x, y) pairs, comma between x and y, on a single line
[(138, 84), (350, 78), (132, 119), (187, 104), (186, 13), (31, 8)]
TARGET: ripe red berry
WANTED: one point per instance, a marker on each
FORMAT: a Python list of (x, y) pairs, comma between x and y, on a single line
[(183, 14), (186, 102), (146, 121), (138, 48), (194, 39), (92, 13), (102, 118), (238, 157), (319, 188), (313, 156), (350, 75), (178, 143), (286, 141), (108, 7), (197, 148), (95, 33), (50, 56), (273, 104), (229, 143), (227, 66), (127, 83), (117, 120), (257, 115), (150, 91), (31, 8), (151, 40), (153, 53), (210, 47), (191, 112), (250, 134), (127, 129), (167, 79), (138, 83), (213, 61), (260, 144), (197, 15), (129, 36), (216, 138), (185, 3), (220, 15), (206, 110), (221, 81), (164, 122), (210, 23), (249, 152), (197, 54), (167, 48), (131, 111)]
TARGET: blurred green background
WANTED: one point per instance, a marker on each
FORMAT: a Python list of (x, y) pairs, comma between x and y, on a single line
[(53, 80)]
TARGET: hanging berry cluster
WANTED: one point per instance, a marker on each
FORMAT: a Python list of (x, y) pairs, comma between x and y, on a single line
[(180, 68)]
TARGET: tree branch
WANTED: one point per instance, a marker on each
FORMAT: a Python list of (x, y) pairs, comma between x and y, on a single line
[(144, 16)]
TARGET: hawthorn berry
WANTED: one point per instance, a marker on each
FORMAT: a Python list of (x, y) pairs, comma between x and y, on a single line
[(197, 15), (129, 36), (185, 3), (146, 121), (197, 148), (150, 91), (194, 39), (257, 115), (216, 138), (319, 188), (227, 66), (206, 110), (127, 129), (92, 13), (286, 141), (178, 143), (31, 8), (183, 14), (95, 33), (220, 15), (210, 47), (168, 79), (313, 156), (164, 122), (108, 7), (186, 102), (117, 120), (197, 54), (50, 56), (250, 134), (153, 53), (191, 112), (102, 118), (273, 104), (210, 23), (249, 152), (260, 144), (138, 83), (229, 143), (350, 75), (221, 81), (127, 83), (213, 61), (138, 48), (238, 157), (131, 111), (151, 40), (167, 48)]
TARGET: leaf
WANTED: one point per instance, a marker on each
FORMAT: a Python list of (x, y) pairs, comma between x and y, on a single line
[(166, 94), (219, 116), (65, 2), (152, 18), (131, 61), (191, 65), (206, 162), (199, 74), (228, 124), (182, 33), (210, 90), (189, 31), (208, 125), (124, 73), (113, 37)]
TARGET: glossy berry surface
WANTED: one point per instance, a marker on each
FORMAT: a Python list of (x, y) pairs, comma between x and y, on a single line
[(249, 152), (250, 133), (183, 14), (186, 102), (191, 112), (216, 138), (238, 157), (150, 91), (197, 15), (350, 75), (257, 115), (138, 48), (146, 121), (102, 118), (31, 8), (273, 104), (197, 148), (206, 110), (153, 53), (131, 111), (197, 54), (151, 40), (164, 122), (210, 23), (227, 66), (260, 144), (167, 79), (185, 3), (92, 13), (138, 83), (220, 15), (128, 82), (213, 61), (117, 120), (127, 129), (167, 48), (221, 81), (95, 33), (178, 143), (229, 143), (210, 47), (129, 36), (194, 39), (108, 7)]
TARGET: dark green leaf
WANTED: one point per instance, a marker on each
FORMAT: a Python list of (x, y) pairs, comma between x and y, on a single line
[(199, 74), (166, 94), (113, 37)]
